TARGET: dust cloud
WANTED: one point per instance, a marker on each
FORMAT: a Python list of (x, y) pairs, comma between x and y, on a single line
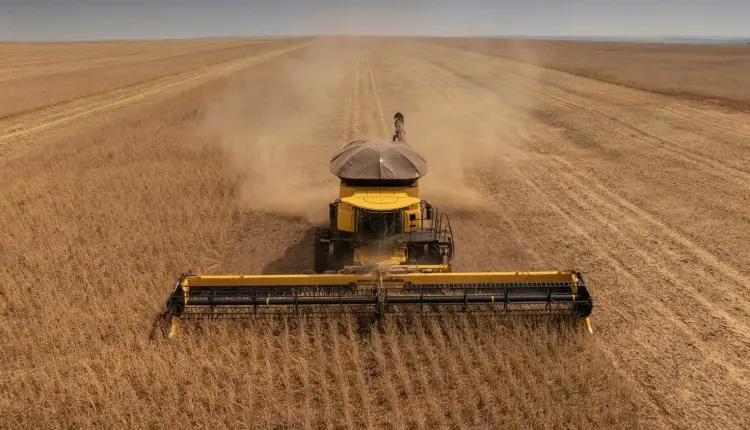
[(465, 126), (276, 140), (467, 132)]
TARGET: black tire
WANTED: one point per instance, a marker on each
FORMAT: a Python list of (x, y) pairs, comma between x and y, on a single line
[(321, 250), (344, 256)]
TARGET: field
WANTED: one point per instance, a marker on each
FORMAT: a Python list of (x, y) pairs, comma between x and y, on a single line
[(718, 74), (125, 164)]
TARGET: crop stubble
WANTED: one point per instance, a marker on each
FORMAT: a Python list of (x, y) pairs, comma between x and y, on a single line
[(98, 226)]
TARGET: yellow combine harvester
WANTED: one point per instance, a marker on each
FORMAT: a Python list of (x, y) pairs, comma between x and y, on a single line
[(385, 250)]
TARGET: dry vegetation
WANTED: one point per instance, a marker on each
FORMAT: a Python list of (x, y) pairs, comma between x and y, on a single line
[(100, 214), (715, 73), (97, 69)]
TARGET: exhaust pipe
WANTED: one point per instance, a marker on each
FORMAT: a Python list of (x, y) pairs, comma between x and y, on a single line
[(400, 135)]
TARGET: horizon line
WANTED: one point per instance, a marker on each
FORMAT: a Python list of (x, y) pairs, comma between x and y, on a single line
[(605, 38)]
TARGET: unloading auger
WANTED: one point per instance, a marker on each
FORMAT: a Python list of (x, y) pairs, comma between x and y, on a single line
[(385, 250)]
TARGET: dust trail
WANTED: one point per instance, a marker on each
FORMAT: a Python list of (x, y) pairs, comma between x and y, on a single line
[(464, 127), (279, 147)]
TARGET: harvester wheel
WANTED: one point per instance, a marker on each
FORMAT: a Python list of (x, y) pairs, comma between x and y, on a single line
[(322, 246)]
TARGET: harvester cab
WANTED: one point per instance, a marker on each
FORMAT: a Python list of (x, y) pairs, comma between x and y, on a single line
[(383, 224), (384, 250)]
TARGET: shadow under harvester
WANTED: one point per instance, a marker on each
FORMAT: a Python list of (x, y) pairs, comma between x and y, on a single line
[(298, 258)]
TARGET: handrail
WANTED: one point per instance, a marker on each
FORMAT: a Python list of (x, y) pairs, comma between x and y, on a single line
[(448, 231)]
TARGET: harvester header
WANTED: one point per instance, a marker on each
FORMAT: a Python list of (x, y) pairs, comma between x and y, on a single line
[(385, 250)]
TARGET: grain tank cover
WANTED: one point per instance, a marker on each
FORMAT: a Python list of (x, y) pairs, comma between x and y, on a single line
[(368, 160)]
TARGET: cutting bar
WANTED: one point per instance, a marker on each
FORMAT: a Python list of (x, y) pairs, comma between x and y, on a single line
[(380, 292)]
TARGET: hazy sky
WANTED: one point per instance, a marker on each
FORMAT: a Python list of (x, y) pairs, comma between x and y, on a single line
[(97, 19)]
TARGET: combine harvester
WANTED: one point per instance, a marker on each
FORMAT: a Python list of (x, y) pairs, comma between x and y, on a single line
[(386, 250)]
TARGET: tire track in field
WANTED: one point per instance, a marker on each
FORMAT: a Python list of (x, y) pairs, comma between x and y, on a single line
[(714, 327), (404, 380), (623, 97), (707, 258), (736, 175), (359, 122), (732, 324), (716, 168), (493, 209), (641, 219), (107, 58), (388, 354), (621, 266), (698, 252), (709, 116), (631, 229), (366, 119), (341, 384), (145, 82), (379, 105), (357, 360), (352, 108), (674, 352), (47, 118), (446, 89)]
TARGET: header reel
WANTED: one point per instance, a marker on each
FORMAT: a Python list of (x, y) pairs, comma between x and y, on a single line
[(377, 291)]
